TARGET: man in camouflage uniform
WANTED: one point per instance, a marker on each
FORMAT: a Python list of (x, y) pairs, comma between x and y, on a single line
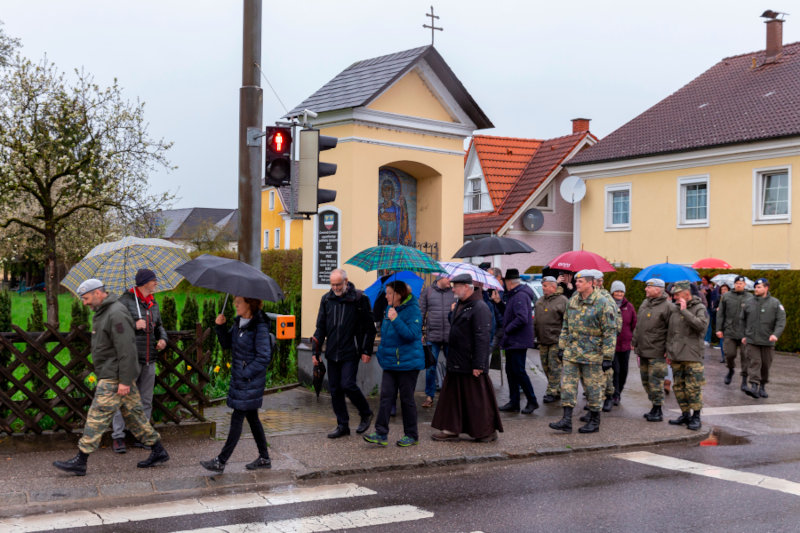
[(548, 319), (649, 342), (687, 327), (588, 338), (608, 391), (117, 367)]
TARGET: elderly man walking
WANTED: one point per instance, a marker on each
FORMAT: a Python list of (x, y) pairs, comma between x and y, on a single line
[(588, 338), (517, 338), (731, 328), (549, 317), (345, 320), (115, 363), (764, 319)]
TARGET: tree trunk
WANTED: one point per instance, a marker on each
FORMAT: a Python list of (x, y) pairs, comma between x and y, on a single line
[(51, 280)]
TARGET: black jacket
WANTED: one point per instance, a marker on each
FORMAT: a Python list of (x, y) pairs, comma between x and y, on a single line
[(147, 338), (470, 335), (251, 352), (346, 322)]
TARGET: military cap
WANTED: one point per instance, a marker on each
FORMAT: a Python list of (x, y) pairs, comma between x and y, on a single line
[(762, 281), (655, 282), (585, 273), (681, 286), (89, 285), (740, 278), (598, 274), (462, 278), (551, 279)]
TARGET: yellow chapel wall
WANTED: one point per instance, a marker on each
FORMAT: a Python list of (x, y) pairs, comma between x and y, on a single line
[(272, 218), (654, 235), (396, 98)]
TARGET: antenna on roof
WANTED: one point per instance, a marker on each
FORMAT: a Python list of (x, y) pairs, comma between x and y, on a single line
[(433, 27)]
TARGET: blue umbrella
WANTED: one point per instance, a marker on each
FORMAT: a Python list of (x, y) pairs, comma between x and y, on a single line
[(668, 272), (413, 281)]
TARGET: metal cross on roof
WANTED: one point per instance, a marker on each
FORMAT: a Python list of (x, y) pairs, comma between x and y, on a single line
[(433, 24)]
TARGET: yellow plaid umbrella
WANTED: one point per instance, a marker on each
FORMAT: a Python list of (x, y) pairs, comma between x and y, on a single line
[(116, 263)]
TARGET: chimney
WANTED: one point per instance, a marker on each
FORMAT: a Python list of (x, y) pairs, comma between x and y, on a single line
[(774, 38), (579, 125)]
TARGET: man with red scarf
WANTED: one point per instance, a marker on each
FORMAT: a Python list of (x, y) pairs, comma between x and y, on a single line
[(151, 337)]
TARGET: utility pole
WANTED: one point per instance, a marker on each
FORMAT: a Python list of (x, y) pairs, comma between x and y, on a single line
[(250, 126)]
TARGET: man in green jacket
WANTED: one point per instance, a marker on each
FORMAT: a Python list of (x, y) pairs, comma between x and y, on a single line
[(547, 321), (731, 328), (764, 319), (115, 363)]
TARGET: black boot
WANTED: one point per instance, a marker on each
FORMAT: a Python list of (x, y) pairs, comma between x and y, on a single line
[(593, 425), (585, 416), (694, 423), (531, 406), (158, 455), (550, 398), (214, 465), (763, 392), (744, 383), (76, 465), (366, 420), (683, 419), (651, 413), (607, 404), (509, 407), (752, 390), (729, 377), (655, 415), (565, 424)]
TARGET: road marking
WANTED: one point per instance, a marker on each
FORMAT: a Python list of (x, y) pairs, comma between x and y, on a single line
[(746, 409), (329, 522), (118, 515), (700, 469)]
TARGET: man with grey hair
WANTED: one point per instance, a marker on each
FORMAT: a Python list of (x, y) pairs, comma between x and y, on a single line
[(547, 321), (345, 321)]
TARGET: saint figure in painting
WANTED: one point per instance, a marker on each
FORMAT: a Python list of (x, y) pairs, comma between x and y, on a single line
[(393, 214)]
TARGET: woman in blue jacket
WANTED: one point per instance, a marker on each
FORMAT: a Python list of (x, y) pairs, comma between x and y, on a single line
[(251, 352), (401, 356)]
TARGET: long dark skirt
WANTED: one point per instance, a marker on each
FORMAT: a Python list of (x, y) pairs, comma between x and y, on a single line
[(467, 405)]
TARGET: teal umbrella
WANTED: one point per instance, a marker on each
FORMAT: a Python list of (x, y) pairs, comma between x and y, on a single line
[(394, 257)]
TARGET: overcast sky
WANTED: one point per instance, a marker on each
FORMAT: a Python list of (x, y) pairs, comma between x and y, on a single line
[(530, 65)]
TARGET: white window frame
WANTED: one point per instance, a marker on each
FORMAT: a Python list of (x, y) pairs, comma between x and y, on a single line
[(266, 239), (683, 182), (473, 195), (277, 238), (469, 195), (548, 206), (758, 177), (609, 189), (271, 200)]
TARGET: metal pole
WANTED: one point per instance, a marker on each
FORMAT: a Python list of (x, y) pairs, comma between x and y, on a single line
[(250, 116)]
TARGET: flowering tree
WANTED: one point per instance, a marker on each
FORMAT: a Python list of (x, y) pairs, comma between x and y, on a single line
[(74, 161)]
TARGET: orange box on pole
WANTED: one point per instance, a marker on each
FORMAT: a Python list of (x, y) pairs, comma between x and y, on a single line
[(285, 325)]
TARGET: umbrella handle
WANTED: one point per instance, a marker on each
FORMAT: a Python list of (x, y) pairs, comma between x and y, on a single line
[(224, 303)]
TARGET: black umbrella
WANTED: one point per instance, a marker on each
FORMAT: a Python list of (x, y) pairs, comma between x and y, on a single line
[(319, 375), (231, 276), (493, 245)]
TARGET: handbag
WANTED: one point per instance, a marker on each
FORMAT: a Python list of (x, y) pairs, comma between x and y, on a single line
[(430, 360)]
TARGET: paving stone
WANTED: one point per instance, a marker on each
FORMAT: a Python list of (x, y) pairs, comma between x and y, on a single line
[(13, 498), (126, 489), (195, 482), (72, 493), (234, 478)]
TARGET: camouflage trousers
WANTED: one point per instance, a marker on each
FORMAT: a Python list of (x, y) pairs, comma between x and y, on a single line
[(591, 375), (609, 388), (688, 384), (105, 403), (550, 356), (653, 372)]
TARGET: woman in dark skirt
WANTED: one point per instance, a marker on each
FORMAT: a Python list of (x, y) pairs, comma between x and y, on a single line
[(467, 403)]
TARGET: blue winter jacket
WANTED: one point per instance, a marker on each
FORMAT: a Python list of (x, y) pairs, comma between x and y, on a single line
[(401, 338), (518, 321), (251, 353)]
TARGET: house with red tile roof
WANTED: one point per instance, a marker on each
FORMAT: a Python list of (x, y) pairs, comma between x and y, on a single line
[(507, 178), (705, 172)]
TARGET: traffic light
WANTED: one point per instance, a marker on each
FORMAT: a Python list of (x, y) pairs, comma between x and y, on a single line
[(279, 156), (309, 195)]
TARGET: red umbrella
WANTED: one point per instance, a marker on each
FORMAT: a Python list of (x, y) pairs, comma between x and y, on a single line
[(579, 260), (711, 262)]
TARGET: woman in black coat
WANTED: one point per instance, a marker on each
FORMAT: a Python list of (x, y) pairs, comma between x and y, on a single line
[(251, 352)]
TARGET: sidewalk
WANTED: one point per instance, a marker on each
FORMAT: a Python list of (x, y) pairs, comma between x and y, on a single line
[(297, 422)]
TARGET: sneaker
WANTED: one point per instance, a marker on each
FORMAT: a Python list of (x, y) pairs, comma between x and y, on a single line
[(375, 438), (407, 441), (118, 445), (214, 465), (261, 462)]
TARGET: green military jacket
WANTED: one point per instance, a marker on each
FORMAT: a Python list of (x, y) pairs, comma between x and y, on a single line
[(687, 331), (652, 323), (589, 333), (549, 317), (763, 317), (114, 343), (729, 314), (613, 303)]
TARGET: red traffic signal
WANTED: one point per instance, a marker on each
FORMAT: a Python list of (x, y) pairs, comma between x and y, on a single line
[(280, 141), (279, 156)]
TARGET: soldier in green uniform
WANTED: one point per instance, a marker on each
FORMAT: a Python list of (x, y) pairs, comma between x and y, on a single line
[(117, 367), (687, 327), (650, 344), (608, 390), (731, 328), (548, 318), (588, 337), (764, 320)]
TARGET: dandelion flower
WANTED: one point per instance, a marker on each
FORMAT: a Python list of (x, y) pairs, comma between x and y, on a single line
[(92, 379), (188, 367), (228, 364), (216, 368)]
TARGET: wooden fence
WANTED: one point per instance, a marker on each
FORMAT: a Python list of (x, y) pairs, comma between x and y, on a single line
[(46, 379)]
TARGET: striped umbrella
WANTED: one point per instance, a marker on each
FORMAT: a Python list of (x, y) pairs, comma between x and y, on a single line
[(453, 269), (394, 257), (115, 264)]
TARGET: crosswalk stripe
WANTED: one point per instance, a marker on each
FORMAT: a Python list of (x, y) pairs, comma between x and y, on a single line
[(330, 522), (746, 409), (228, 502), (716, 472)]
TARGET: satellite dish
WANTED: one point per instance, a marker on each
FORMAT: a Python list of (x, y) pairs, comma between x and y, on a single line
[(572, 189), (532, 220)]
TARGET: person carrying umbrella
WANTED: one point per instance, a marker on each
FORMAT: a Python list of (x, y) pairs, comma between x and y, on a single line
[(345, 321), (251, 348), (151, 338)]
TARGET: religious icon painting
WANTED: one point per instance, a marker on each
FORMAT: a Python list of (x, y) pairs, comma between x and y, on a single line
[(397, 207)]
